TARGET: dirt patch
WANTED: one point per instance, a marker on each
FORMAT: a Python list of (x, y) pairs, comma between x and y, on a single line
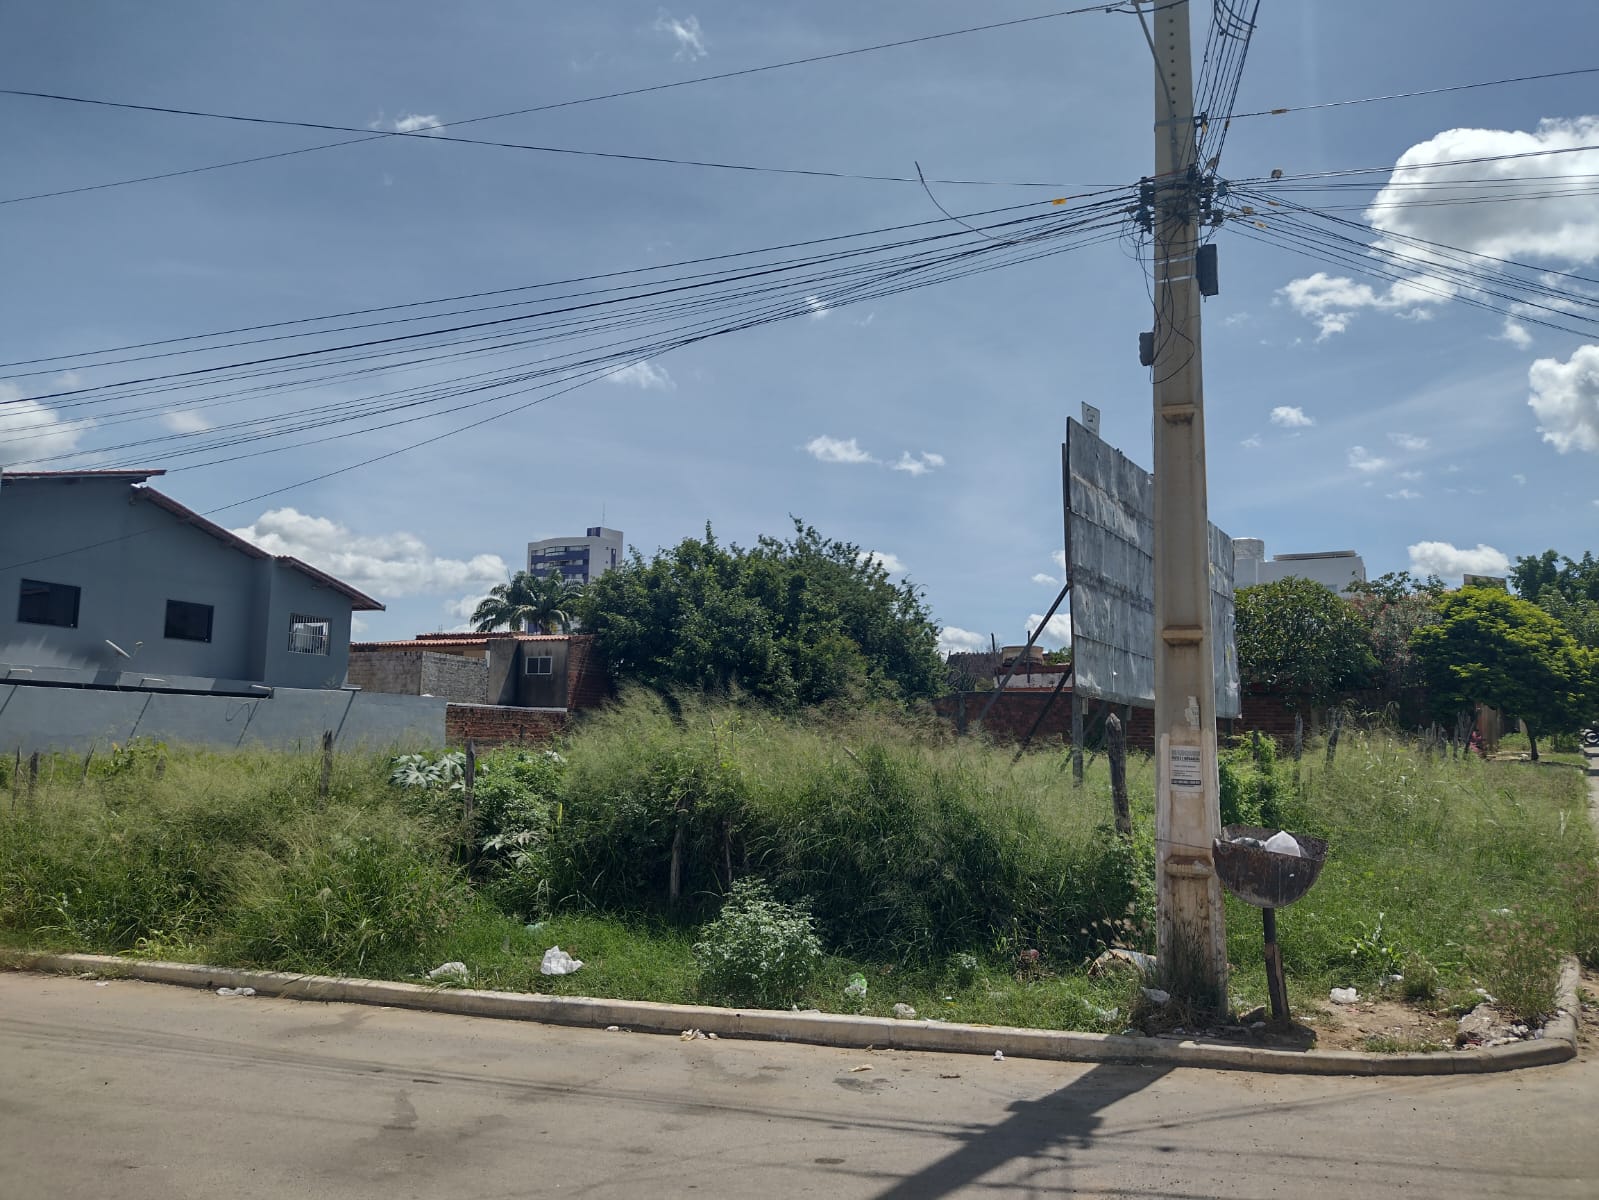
[(1380, 1024)]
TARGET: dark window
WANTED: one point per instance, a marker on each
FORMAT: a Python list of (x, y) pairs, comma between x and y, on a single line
[(188, 622), (541, 665), (48, 604)]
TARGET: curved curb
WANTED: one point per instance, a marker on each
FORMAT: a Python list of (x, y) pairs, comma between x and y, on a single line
[(1558, 1044)]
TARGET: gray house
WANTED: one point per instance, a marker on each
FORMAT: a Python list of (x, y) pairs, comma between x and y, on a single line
[(106, 582)]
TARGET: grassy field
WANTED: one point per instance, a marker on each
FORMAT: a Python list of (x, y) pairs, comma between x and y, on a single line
[(942, 875)]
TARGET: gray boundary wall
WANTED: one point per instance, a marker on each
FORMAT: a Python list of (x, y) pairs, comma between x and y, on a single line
[(76, 719)]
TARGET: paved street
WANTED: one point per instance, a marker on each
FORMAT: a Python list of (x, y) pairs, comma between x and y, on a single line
[(135, 1091)]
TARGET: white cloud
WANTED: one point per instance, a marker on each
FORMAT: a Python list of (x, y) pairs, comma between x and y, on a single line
[(67, 381), (818, 307), (1404, 494), (1042, 578), (835, 450), (1565, 397), (358, 626), (392, 564), (1450, 562), (645, 375), (1411, 476), (1060, 558), (1056, 634), (1363, 460), (889, 562), (185, 421), (952, 639), (417, 123), (918, 464), (1290, 416), (686, 32), (30, 431), (1557, 222), (1252, 442), (1516, 334), (1409, 441), (1520, 479)]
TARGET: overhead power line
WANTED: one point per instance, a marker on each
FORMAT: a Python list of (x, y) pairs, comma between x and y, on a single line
[(1436, 91), (379, 135)]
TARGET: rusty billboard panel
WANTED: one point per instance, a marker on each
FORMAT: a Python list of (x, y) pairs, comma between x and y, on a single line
[(1110, 537)]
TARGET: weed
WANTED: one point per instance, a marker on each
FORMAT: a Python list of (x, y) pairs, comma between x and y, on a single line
[(1517, 957), (758, 950)]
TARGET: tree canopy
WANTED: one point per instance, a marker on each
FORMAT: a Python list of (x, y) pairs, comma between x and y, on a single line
[(1391, 608), (1297, 637), (542, 604), (1493, 648), (1566, 589), (793, 622)]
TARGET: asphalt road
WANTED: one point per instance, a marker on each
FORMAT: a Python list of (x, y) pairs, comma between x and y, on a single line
[(133, 1091)]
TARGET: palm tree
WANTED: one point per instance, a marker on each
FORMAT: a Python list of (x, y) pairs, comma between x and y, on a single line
[(528, 601), (554, 603)]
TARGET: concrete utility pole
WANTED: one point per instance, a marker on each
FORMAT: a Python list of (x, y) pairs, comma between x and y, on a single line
[(1191, 935)]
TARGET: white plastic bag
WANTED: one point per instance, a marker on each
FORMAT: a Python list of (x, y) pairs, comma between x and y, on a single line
[(1344, 996), (449, 970), (1282, 842), (558, 962)]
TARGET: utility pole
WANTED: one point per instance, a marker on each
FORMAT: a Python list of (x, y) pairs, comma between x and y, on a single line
[(1191, 935)]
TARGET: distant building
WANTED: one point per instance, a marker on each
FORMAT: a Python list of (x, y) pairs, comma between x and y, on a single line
[(548, 671), (1333, 569), (577, 560), (108, 583)]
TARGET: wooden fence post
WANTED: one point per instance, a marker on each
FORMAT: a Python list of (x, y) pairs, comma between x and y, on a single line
[(1116, 748), (1299, 736), (33, 774), (1077, 739), (1335, 722), (326, 784)]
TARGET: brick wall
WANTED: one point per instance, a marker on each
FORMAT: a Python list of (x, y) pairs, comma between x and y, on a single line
[(502, 725), (419, 673), (455, 677), (587, 682)]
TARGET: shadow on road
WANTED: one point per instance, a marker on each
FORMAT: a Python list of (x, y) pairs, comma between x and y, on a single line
[(1036, 1132)]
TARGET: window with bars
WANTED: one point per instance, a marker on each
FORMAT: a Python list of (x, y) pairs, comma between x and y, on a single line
[(309, 635)]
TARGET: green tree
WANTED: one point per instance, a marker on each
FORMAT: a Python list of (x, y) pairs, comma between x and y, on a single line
[(526, 601), (1391, 608), (1490, 647), (1298, 637), (1566, 589), (792, 622)]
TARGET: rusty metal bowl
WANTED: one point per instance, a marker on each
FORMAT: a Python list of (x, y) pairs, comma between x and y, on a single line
[(1262, 877)]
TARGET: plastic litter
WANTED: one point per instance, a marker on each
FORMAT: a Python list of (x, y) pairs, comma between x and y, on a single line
[(558, 962), (856, 986), (999, 1056), (862, 1067), (449, 970), (904, 1011), (1157, 996), (613, 1029), (1343, 996), (695, 1035), (244, 991), (103, 983), (1283, 842)]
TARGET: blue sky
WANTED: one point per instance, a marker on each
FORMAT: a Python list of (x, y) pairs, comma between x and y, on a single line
[(1342, 413)]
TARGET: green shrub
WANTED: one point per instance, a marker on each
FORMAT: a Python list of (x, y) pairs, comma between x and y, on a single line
[(758, 951)]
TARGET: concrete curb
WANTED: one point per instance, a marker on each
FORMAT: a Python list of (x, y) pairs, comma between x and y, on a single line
[(1558, 1044)]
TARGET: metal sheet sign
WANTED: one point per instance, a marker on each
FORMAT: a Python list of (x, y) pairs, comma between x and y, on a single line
[(1110, 538)]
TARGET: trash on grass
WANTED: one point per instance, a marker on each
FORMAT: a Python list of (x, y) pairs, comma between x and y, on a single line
[(856, 986), (558, 962), (449, 970), (1283, 842), (1343, 996), (245, 991), (1157, 996), (904, 1011)]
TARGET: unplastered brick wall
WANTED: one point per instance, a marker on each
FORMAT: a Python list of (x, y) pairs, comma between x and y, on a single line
[(1015, 711), (455, 677), (587, 682), (502, 725)]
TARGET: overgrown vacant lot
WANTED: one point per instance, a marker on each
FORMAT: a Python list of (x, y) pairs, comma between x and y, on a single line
[(934, 872)]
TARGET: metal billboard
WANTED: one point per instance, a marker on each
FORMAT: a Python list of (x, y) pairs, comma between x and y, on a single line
[(1110, 538)]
